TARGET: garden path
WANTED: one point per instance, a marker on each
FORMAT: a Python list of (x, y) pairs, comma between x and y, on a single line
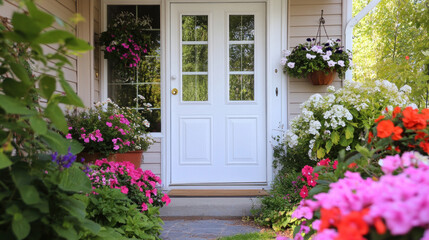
[(203, 229)]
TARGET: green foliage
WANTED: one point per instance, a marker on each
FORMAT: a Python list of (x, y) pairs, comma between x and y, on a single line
[(292, 160), (114, 211), (251, 236), (277, 208), (389, 43), (310, 57)]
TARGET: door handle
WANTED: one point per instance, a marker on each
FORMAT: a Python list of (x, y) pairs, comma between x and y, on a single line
[(174, 91)]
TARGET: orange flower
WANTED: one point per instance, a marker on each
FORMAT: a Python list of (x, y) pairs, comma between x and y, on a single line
[(352, 165), (329, 217), (425, 146), (425, 113), (379, 226), (379, 118), (385, 129), (397, 133), (413, 120), (370, 137), (353, 226), (396, 111)]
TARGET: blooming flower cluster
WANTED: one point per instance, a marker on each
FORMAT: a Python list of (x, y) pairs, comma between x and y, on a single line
[(138, 185), (343, 116), (409, 124), (309, 57), (355, 208), (64, 161), (129, 52), (309, 177)]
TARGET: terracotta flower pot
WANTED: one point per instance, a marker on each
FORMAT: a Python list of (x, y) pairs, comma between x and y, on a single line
[(135, 157), (321, 78)]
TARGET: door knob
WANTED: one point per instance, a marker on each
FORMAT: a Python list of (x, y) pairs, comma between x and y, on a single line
[(174, 91)]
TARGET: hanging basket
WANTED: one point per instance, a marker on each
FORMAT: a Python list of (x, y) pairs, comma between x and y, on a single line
[(322, 77)]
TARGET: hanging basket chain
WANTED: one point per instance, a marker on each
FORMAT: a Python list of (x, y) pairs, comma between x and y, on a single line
[(319, 30)]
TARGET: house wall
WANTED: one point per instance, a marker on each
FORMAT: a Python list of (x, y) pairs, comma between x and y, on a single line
[(64, 10), (303, 21), (97, 51)]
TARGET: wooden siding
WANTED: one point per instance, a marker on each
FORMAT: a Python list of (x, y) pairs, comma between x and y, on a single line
[(152, 158), (303, 19)]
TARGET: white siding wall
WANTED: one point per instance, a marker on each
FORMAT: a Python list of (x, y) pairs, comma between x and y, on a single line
[(97, 60), (303, 18), (152, 158)]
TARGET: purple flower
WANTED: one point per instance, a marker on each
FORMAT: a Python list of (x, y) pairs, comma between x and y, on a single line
[(308, 39), (64, 161)]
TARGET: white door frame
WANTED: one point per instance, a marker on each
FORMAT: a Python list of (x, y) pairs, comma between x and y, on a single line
[(277, 33)]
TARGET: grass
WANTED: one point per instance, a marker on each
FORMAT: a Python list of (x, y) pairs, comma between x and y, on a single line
[(251, 236)]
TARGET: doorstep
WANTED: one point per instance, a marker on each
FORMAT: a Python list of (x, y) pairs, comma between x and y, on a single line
[(212, 203)]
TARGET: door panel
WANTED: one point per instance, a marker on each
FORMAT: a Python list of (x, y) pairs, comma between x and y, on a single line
[(218, 119)]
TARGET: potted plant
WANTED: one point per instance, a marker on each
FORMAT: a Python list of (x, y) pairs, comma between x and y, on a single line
[(317, 62), (107, 130), (125, 44)]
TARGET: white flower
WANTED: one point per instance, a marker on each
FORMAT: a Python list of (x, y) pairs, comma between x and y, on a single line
[(331, 63), (326, 57), (341, 63), (286, 53), (348, 148), (314, 126), (291, 139), (413, 105), (331, 89), (405, 89), (291, 64), (283, 61), (315, 48), (309, 56), (146, 123), (328, 53), (331, 43)]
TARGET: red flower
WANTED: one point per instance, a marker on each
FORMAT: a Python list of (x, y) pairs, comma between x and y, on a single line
[(397, 131), (379, 226), (353, 226), (413, 120), (324, 162), (425, 146), (407, 57), (307, 170), (421, 135), (370, 137), (396, 111), (352, 165), (397, 149), (304, 192), (379, 118), (385, 129), (329, 217)]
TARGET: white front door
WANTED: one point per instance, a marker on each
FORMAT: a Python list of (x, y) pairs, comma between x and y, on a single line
[(218, 116)]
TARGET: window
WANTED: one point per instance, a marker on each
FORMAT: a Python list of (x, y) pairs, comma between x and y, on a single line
[(146, 80)]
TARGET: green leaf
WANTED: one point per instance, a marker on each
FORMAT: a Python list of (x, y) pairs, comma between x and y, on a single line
[(76, 147), (328, 146), (320, 153), (20, 73), (14, 106), (38, 125), (74, 180), (43, 206), (318, 189), (91, 226), (31, 215), (4, 161), (55, 114), (29, 194), (75, 207), (14, 88), (364, 151), (70, 94), (47, 86), (56, 142), (53, 36), (335, 137), (349, 132), (25, 26), (67, 233), (78, 45), (41, 18), (20, 226)]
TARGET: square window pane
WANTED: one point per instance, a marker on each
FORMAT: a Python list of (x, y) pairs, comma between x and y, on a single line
[(151, 93), (154, 119), (241, 88), (241, 27), (195, 88), (241, 57), (120, 75), (194, 58), (123, 95), (153, 40), (150, 70), (194, 28), (153, 12)]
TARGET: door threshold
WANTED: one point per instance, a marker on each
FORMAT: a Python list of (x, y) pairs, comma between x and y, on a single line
[(217, 193)]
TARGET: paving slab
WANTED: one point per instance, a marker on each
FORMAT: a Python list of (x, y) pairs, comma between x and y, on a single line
[(203, 229)]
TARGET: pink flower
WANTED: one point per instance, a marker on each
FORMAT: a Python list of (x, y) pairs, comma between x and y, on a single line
[(124, 190), (86, 140), (69, 136), (125, 45), (70, 128), (144, 207), (109, 124), (116, 147), (335, 164), (166, 199), (150, 200), (307, 170), (304, 192)]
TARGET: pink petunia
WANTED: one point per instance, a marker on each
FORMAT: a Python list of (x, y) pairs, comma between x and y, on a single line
[(109, 124), (124, 190)]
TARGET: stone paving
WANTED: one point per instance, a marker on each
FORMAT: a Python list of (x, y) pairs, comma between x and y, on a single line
[(204, 229)]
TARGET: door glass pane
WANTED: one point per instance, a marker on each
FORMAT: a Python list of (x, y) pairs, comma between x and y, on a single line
[(194, 88), (241, 27), (241, 57), (241, 88), (194, 58), (194, 28)]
